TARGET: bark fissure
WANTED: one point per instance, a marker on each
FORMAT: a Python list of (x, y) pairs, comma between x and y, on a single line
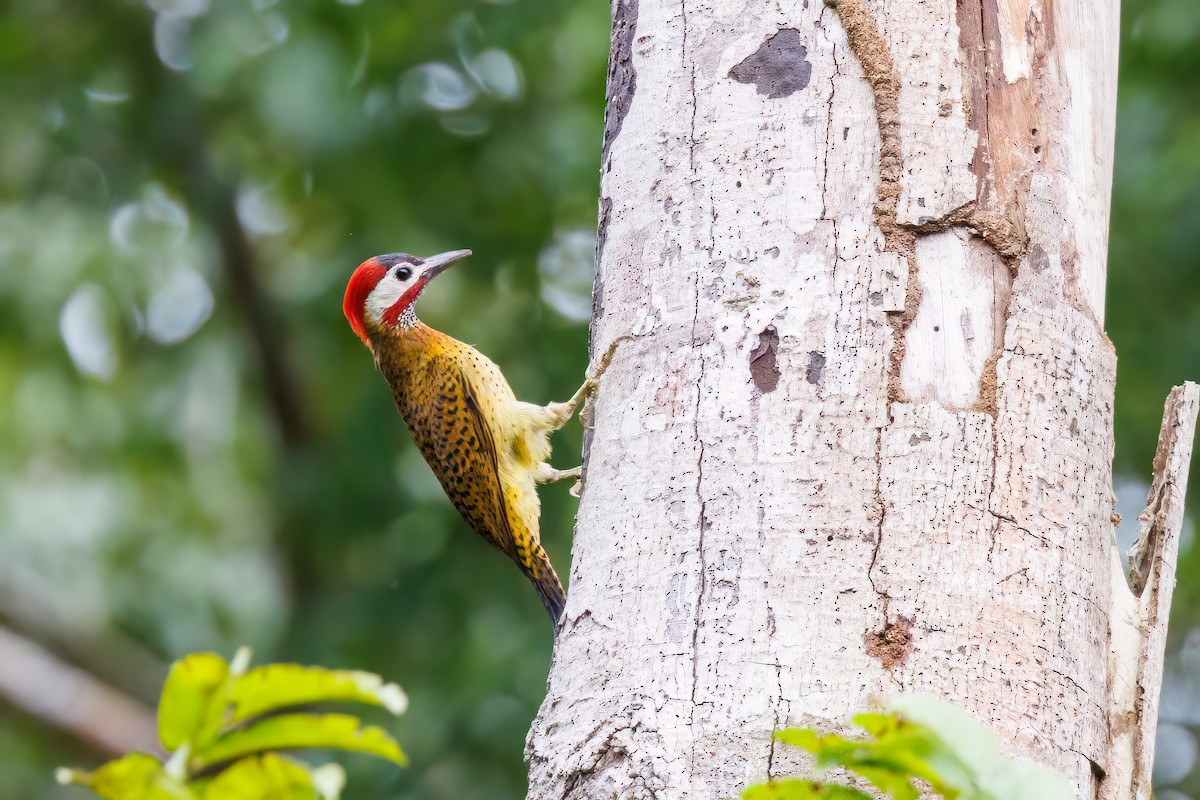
[(881, 510), (697, 410), (892, 643), (837, 73), (702, 557), (775, 723), (986, 133)]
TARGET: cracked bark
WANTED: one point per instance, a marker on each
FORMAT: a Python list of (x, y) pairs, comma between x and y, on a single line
[(860, 439)]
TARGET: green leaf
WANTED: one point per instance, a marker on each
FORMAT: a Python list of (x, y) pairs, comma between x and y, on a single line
[(269, 777), (830, 749), (976, 765), (802, 737), (279, 686), (895, 784), (193, 700), (300, 731), (797, 789), (898, 753), (904, 750), (137, 776), (927, 743)]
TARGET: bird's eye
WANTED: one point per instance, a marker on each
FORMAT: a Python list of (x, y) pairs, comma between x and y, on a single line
[(403, 273)]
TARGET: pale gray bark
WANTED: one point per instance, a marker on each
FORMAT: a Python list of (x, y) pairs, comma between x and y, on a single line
[(860, 442)]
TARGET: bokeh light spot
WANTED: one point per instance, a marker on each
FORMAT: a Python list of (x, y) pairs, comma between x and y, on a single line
[(179, 308), (566, 267), (83, 325)]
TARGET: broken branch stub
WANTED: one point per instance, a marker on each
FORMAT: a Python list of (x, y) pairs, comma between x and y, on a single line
[(1138, 623), (1157, 544)]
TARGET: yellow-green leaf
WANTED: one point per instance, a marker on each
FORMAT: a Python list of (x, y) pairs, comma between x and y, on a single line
[(270, 777), (801, 737), (800, 789), (300, 731), (279, 686), (892, 783), (193, 700), (137, 776)]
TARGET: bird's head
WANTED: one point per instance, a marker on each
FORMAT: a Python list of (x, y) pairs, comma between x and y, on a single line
[(384, 288)]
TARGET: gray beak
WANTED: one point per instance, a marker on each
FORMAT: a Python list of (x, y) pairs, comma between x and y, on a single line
[(435, 265)]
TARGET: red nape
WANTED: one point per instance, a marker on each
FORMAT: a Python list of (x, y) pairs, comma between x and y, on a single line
[(354, 304)]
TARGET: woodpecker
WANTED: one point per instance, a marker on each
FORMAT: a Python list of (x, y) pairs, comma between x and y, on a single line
[(487, 448)]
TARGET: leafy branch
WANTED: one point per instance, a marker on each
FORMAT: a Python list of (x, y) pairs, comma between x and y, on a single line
[(921, 747), (223, 724)]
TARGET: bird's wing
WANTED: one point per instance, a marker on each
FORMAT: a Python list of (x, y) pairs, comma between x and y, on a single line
[(448, 425)]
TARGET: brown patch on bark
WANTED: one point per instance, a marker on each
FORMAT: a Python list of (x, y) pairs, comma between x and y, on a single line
[(764, 368), (989, 386), (1005, 234), (1002, 234), (893, 644), (620, 89)]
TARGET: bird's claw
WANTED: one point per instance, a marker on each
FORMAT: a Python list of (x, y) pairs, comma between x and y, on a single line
[(576, 489), (593, 381), (594, 377)]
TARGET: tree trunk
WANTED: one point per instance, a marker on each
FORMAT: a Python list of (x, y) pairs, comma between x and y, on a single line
[(860, 440)]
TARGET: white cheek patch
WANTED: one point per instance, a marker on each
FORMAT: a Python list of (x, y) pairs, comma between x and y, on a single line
[(383, 296)]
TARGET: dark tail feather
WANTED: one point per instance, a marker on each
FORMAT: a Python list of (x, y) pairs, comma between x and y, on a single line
[(550, 589)]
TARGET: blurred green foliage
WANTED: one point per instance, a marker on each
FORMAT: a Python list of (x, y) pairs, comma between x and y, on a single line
[(195, 451), (199, 460)]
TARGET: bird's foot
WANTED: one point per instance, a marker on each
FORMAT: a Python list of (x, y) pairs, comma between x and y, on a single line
[(544, 473), (560, 413), (584, 392), (576, 472)]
